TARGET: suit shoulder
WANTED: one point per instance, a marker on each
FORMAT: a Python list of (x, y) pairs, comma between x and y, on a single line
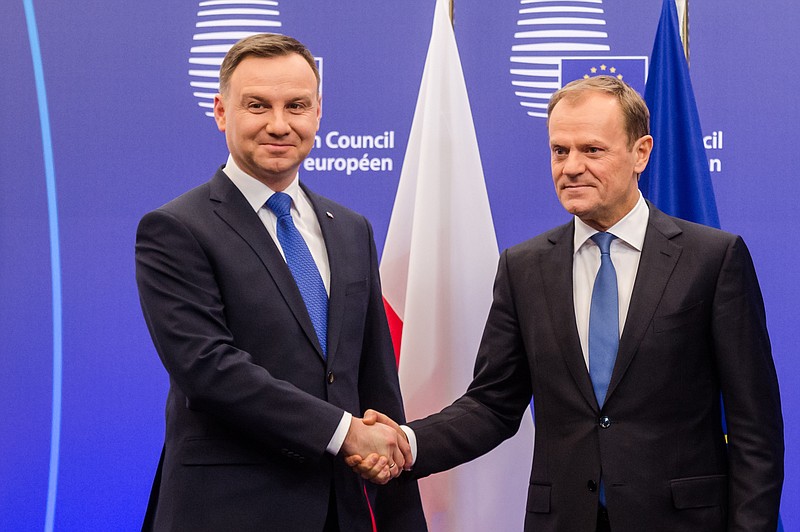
[(541, 242), (703, 235), (185, 211), (189, 201)]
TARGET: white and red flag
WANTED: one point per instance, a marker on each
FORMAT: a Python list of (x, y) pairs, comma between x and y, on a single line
[(437, 270)]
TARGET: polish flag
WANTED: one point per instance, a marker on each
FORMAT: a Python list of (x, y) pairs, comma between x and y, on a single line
[(437, 269)]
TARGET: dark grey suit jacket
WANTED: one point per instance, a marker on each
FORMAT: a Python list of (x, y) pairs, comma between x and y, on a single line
[(695, 328), (252, 404)]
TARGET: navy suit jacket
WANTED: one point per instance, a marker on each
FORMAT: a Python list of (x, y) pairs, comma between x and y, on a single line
[(252, 404), (696, 328)]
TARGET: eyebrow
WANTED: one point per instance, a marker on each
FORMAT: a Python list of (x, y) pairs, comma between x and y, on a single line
[(259, 97), (582, 143)]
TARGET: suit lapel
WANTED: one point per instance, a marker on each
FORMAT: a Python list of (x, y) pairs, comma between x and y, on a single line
[(231, 206), (658, 260), (556, 267)]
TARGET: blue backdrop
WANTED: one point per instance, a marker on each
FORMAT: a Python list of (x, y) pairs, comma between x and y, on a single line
[(123, 133)]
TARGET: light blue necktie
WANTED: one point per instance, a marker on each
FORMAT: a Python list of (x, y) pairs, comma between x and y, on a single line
[(603, 320), (302, 265)]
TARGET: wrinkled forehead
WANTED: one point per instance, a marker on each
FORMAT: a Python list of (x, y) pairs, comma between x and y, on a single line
[(288, 71)]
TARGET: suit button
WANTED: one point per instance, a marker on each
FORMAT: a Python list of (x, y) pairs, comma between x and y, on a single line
[(331, 377), (592, 485), (605, 422)]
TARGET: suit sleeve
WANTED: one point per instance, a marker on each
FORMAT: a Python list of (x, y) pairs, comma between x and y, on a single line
[(750, 394), (492, 408), (184, 311), (379, 387), (398, 507)]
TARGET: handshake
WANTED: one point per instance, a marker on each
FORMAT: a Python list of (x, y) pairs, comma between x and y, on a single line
[(376, 448)]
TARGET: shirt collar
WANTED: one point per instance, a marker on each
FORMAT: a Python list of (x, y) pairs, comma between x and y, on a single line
[(630, 229), (255, 192)]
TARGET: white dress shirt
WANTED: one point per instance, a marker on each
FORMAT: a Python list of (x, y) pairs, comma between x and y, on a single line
[(305, 219)]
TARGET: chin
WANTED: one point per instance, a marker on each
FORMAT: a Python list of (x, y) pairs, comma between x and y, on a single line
[(574, 207)]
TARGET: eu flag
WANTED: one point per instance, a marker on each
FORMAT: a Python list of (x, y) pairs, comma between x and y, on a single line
[(630, 69), (677, 179)]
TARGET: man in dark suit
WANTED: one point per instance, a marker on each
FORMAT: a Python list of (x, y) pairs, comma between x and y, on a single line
[(264, 304), (629, 433)]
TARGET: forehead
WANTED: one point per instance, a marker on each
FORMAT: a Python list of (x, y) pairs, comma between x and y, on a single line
[(291, 71), (591, 114)]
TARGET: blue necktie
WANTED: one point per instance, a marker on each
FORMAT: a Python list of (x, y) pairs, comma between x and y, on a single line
[(603, 320), (302, 265)]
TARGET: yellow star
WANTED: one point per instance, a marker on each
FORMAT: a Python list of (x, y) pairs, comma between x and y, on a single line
[(613, 69), (593, 70), (586, 76), (619, 77), (602, 67)]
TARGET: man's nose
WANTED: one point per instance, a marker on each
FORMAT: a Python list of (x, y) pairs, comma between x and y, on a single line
[(573, 164), (278, 124)]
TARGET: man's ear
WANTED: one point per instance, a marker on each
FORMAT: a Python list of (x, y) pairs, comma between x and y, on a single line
[(219, 112), (643, 148), (319, 110)]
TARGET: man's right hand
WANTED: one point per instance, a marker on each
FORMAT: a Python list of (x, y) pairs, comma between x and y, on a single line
[(375, 467), (386, 452)]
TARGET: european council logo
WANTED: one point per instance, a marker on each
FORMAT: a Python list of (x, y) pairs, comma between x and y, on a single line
[(220, 24), (561, 42)]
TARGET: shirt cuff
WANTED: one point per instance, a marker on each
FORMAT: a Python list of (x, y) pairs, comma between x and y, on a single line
[(412, 441), (335, 445)]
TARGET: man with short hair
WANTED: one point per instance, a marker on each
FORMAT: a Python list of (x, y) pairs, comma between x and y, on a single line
[(625, 325), (264, 304)]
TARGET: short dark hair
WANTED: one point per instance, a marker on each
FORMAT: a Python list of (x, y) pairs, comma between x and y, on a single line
[(634, 109), (263, 45)]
